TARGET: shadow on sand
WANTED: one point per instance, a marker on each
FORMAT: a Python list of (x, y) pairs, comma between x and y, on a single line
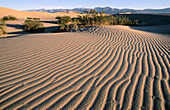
[(51, 22), (16, 26), (158, 29), (155, 23), (21, 33)]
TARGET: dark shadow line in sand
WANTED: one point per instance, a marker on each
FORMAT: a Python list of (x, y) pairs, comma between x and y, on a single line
[(52, 22), (20, 33), (50, 29), (16, 26), (157, 29)]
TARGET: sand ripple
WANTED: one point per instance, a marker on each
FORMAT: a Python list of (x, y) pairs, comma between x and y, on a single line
[(107, 68)]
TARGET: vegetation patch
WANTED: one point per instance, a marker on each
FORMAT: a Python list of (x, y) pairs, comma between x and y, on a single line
[(93, 18), (2, 28), (33, 25), (2, 31), (9, 17), (2, 22)]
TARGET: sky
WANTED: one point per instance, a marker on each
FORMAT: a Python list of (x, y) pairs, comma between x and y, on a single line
[(54, 4)]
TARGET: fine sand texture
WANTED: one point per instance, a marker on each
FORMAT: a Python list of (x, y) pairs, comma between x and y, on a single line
[(98, 68)]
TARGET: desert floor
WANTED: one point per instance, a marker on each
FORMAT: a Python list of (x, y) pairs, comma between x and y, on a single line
[(113, 67)]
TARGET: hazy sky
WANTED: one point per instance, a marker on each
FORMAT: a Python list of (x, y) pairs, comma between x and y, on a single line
[(49, 4)]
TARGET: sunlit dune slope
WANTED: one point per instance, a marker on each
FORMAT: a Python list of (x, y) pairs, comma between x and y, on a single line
[(25, 14), (97, 68)]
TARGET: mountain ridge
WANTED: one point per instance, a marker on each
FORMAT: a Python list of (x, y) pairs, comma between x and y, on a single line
[(107, 10)]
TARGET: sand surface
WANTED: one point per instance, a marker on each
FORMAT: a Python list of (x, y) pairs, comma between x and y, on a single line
[(107, 68), (110, 68), (42, 15)]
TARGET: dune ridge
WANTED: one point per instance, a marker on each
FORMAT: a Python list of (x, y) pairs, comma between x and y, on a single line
[(107, 68), (24, 14)]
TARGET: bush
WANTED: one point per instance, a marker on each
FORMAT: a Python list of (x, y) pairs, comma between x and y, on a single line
[(58, 17), (64, 19), (63, 23), (9, 17), (2, 31), (2, 22), (33, 25), (74, 25), (93, 19)]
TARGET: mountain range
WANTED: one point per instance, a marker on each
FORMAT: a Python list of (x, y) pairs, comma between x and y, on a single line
[(107, 10)]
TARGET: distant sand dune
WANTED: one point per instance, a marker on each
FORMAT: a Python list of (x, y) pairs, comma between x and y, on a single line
[(15, 27), (25, 14), (99, 68)]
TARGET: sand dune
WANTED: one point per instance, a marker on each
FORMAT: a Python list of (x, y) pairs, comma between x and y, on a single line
[(25, 14), (48, 19), (98, 68)]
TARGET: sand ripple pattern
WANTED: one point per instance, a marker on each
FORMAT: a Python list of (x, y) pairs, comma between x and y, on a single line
[(100, 68)]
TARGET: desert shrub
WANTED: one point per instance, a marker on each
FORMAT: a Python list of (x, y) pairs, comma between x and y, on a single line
[(78, 16), (86, 11), (33, 25), (2, 22), (63, 26), (29, 18), (92, 18), (135, 22), (2, 27), (2, 31), (74, 25), (64, 19), (9, 17), (63, 23), (87, 21), (58, 17)]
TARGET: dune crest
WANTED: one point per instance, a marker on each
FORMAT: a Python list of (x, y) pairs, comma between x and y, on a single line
[(24, 14)]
